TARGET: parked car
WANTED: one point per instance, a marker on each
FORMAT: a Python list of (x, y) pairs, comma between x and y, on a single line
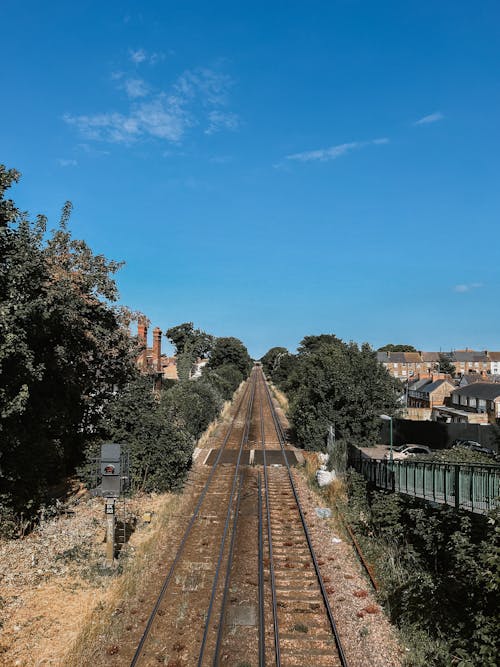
[(474, 446), (405, 451)]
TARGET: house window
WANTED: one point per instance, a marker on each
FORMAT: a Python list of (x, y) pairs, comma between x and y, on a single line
[(482, 405), (472, 402), (456, 399)]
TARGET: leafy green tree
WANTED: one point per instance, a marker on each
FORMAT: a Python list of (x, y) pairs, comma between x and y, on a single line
[(271, 359), (445, 365), (390, 347), (63, 349), (191, 406), (229, 350), (189, 344), (278, 364), (160, 451), (225, 379), (340, 384)]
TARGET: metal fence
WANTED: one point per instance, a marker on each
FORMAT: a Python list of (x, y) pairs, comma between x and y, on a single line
[(468, 486)]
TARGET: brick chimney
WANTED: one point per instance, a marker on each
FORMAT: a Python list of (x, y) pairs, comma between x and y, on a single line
[(142, 334), (157, 349)]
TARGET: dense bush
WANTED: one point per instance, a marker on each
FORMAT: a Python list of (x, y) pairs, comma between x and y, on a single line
[(440, 574), (191, 406), (160, 451), (330, 382), (225, 379)]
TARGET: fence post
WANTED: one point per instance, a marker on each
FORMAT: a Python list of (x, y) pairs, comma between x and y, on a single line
[(457, 487)]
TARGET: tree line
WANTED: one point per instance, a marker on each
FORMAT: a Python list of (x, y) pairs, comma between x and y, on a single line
[(333, 383), (69, 378)]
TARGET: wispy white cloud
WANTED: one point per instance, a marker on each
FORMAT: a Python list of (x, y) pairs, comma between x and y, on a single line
[(136, 88), (197, 98), (431, 118), (222, 120), (221, 159), (467, 287), (137, 56), (64, 162), (91, 150), (334, 152)]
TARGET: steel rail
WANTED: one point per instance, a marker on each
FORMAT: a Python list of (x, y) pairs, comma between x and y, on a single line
[(277, 649), (282, 440), (262, 640), (227, 581), (244, 440), (187, 532)]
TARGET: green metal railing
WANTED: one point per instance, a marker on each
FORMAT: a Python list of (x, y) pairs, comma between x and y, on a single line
[(468, 486)]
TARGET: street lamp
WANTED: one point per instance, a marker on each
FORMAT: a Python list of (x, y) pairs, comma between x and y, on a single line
[(387, 418)]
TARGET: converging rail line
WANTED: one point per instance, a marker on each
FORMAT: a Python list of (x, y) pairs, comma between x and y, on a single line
[(245, 586)]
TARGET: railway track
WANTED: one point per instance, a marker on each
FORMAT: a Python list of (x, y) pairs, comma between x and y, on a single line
[(244, 587)]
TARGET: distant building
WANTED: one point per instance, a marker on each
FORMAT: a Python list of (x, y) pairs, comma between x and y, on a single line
[(494, 358), (406, 366), (151, 361), (476, 403)]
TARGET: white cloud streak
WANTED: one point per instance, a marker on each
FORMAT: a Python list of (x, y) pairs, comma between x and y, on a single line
[(431, 118), (467, 287), (63, 162), (334, 152)]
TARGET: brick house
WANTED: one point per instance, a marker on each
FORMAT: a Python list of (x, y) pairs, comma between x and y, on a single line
[(476, 403), (469, 361), (151, 361), (412, 365), (428, 393)]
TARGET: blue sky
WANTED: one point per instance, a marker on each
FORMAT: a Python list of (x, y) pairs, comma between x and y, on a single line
[(271, 170)]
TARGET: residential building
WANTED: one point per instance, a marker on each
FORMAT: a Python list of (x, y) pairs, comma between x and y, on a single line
[(476, 403), (494, 358), (429, 392), (401, 365), (469, 361), (413, 365)]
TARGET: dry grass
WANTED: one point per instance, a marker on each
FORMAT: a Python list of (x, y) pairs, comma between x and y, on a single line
[(95, 622), (280, 397), (104, 623), (214, 427)]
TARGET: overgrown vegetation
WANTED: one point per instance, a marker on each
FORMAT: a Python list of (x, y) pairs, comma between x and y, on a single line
[(440, 574), (69, 375), (64, 350), (332, 383)]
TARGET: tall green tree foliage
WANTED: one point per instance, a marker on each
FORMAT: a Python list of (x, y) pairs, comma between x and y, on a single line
[(332, 382), (229, 350), (160, 448), (445, 365), (63, 349), (191, 406), (271, 360), (190, 343)]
